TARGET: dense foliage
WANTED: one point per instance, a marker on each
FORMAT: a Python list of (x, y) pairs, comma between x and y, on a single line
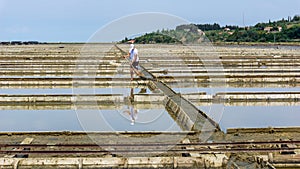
[(285, 30), (154, 37)]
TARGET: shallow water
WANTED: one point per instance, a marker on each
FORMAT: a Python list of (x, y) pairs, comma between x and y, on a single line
[(39, 120), (255, 116), (231, 89), (145, 120), (32, 91), (149, 118), (69, 120)]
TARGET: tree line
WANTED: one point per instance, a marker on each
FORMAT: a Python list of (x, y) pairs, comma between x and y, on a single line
[(284, 30)]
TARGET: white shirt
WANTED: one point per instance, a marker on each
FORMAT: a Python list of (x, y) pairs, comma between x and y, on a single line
[(135, 52)]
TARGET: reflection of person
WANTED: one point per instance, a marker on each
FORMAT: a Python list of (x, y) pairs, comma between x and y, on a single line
[(132, 112), (131, 95), (134, 60)]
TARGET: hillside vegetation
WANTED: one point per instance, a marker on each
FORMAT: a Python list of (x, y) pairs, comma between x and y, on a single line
[(285, 30)]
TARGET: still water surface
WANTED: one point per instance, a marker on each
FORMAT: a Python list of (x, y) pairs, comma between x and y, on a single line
[(145, 119)]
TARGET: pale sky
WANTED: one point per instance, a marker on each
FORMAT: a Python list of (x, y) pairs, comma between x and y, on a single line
[(78, 20)]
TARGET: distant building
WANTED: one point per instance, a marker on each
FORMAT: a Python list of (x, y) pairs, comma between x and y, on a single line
[(131, 41), (226, 29), (268, 29)]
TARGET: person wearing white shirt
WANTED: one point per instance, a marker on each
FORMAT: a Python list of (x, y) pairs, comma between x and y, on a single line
[(134, 60)]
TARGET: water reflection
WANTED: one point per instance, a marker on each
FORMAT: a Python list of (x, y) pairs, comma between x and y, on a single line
[(131, 116), (125, 116), (253, 116), (39, 120), (131, 110), (61, 91)]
